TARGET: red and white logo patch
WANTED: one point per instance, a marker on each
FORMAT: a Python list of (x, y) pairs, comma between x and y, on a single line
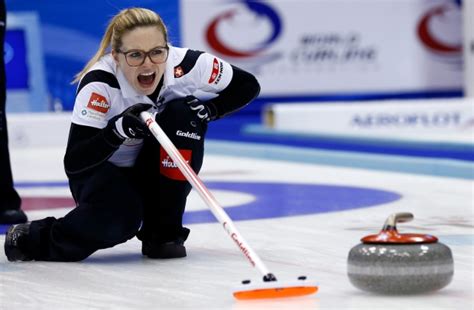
[(98, 103), (169, 169), (216, 73)]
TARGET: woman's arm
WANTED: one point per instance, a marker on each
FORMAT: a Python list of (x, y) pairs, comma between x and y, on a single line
[(89, 147), (242, 89)]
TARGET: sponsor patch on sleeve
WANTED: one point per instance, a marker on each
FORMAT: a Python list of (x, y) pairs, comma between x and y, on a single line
[(216, 73), (98, 103), (169, 169)]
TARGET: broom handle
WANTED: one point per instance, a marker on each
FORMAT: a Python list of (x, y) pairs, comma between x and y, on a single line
[(206, 195)]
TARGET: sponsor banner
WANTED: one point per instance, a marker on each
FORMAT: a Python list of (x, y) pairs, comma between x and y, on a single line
[(333, 46), (392, 118)]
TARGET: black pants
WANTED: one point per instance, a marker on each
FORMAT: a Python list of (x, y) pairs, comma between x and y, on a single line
[(9, 198), (112, 203)]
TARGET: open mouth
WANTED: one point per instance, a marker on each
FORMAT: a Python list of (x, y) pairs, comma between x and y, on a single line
[(146, 79)]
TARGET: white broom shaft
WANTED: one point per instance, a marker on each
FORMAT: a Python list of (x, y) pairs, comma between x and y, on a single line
[(205, 194)]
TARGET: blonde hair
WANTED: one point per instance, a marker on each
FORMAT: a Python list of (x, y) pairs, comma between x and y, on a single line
[(126, 20)]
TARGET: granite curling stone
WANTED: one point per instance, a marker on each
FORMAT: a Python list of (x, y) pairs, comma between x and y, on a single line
[(398, 264)]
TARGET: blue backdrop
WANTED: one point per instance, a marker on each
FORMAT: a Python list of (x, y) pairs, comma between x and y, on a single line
[(71, 32)]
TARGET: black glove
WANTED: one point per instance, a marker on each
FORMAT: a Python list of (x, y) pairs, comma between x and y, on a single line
[(203, 110), (128, 124)]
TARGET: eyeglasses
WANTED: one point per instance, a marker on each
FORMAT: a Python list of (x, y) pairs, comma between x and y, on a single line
[(136, 58)]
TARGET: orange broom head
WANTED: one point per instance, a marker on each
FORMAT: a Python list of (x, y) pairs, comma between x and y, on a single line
[(275, 289)]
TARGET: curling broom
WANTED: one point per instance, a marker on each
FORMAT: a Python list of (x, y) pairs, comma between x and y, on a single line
[(271, 287)]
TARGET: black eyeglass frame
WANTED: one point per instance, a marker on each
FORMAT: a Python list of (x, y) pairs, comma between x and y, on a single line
[(147, 54)]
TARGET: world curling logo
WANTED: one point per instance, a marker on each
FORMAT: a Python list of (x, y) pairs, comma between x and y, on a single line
[(440, 31), (232, 24)]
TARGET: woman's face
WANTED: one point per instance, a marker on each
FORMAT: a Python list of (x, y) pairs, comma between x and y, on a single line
[(143, 77)]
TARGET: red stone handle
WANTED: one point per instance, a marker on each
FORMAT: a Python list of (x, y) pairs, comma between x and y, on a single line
[(389, 232)]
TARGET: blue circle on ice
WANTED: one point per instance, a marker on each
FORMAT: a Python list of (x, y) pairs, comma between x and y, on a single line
[(273, 200), (290, 199)]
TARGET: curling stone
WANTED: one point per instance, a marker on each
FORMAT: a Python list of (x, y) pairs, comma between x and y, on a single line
[(396, 264)]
